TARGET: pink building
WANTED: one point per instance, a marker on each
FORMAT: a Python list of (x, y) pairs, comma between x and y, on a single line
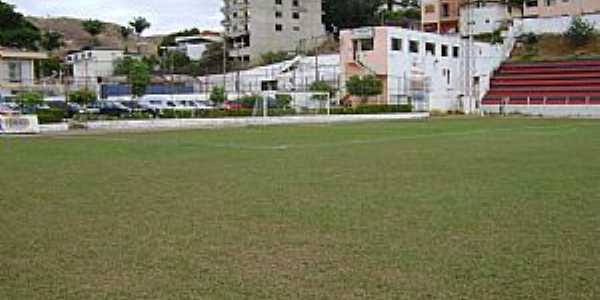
[(557, 8)]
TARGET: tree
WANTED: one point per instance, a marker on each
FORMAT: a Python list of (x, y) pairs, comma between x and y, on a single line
[(271, 57), (83, 97), (50, 67), (93, 27), (322, 86), (16, 31), (139, 77), (139, 24), (580, 32), (174, 61), (52, 40), (29, 100), (211, 61), (126, 32), (218, 95), (364, 87), (344, 14)]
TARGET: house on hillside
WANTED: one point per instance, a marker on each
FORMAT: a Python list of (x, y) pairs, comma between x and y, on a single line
[(17, 70), (440, 16), (194, 46), (486, 16)]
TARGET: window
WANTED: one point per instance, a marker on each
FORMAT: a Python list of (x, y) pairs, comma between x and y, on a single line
[(14, 72), (295, 15), (278, 27), (445, 10), (278, 2), (444, 50), (364, 44), (430, 48), (456, 51), (296, 28), (429, 9), (396, 44), (295, 3), (414, 46), (278, 14)]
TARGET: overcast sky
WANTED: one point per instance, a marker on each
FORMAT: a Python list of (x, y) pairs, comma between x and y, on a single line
[(165, 15)]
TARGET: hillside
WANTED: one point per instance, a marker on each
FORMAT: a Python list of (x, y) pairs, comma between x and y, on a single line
[(553, 47), (75, 37)]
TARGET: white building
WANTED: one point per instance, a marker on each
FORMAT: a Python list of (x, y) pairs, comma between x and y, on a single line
[(294, 75), (259, 26), (195, 46), (433, 71), (17, 70), (486, 16), (90, 66)]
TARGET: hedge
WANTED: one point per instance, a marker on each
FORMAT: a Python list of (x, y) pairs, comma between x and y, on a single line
[(48, 116)]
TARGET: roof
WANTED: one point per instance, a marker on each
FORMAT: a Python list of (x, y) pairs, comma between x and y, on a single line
[(18, 54)]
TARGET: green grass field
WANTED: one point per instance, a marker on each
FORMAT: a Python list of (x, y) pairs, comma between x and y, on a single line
[(438, 209)]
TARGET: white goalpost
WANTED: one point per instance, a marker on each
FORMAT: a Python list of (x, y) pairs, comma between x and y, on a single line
[(292, 103)]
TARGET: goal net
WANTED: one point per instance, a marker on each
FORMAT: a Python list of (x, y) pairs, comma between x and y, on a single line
[(292, 103)]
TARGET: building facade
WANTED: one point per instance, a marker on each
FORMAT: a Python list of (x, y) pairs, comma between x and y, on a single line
[(17, 70), (255, 27), (89, 67), (425, 69), (440, 16), (486, 16), (557, 8)]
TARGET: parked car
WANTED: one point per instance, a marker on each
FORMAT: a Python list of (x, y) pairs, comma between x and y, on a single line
[(138, 107), (6, 109), (114, 108), (230, 105)]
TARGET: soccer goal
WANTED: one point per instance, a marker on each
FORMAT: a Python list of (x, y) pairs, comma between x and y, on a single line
[(292, 103)]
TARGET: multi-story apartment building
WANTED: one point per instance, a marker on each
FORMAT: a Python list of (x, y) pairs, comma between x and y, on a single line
[(440, 16), (255, 27), (557, 8)]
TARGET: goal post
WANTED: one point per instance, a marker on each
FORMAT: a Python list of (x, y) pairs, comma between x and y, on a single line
[(292, 103)]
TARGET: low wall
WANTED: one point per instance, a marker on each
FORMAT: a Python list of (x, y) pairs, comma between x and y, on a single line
[(158, 124), (582, 111), (554, 24), (49, 128)]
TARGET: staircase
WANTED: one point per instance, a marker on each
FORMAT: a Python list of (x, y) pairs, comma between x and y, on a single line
[(545, 83)]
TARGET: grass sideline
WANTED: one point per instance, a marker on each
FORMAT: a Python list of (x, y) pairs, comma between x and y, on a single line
[(439, 209)]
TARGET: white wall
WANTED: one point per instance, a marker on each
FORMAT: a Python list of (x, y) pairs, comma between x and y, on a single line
[(552, 25), (485, 19)]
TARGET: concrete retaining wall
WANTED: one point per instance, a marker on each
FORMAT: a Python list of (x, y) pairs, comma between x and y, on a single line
[(49, 128), (581, 111), (243, 122), (553, 25)]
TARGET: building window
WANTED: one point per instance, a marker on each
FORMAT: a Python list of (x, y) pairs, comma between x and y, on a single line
[(396, 44), (295, 3), (295, 15), (296, 28), (430, 48), (429, 9), (278, 14), (278, 2), (445, 10), (364, 44), (413, 46), (278, 27), (444, 50), (455, 51), (14, 72)]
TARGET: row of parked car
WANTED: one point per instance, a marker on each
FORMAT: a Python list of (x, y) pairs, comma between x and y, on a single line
[(119, 108)]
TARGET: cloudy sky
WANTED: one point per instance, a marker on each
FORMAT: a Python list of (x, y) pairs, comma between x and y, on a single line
[(165, 15)]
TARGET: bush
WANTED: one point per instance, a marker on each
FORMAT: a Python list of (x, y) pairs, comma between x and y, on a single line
[(48, 116), (371, 109), (83, 97), (364, 87), (580, 32)]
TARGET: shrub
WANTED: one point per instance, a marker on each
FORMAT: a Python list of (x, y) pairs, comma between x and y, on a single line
[(53, 115), (218, 95), (364, 87), (83, 97), (580, 32)]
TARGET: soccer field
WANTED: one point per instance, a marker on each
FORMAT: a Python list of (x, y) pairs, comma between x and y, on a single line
[(439, 209)]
